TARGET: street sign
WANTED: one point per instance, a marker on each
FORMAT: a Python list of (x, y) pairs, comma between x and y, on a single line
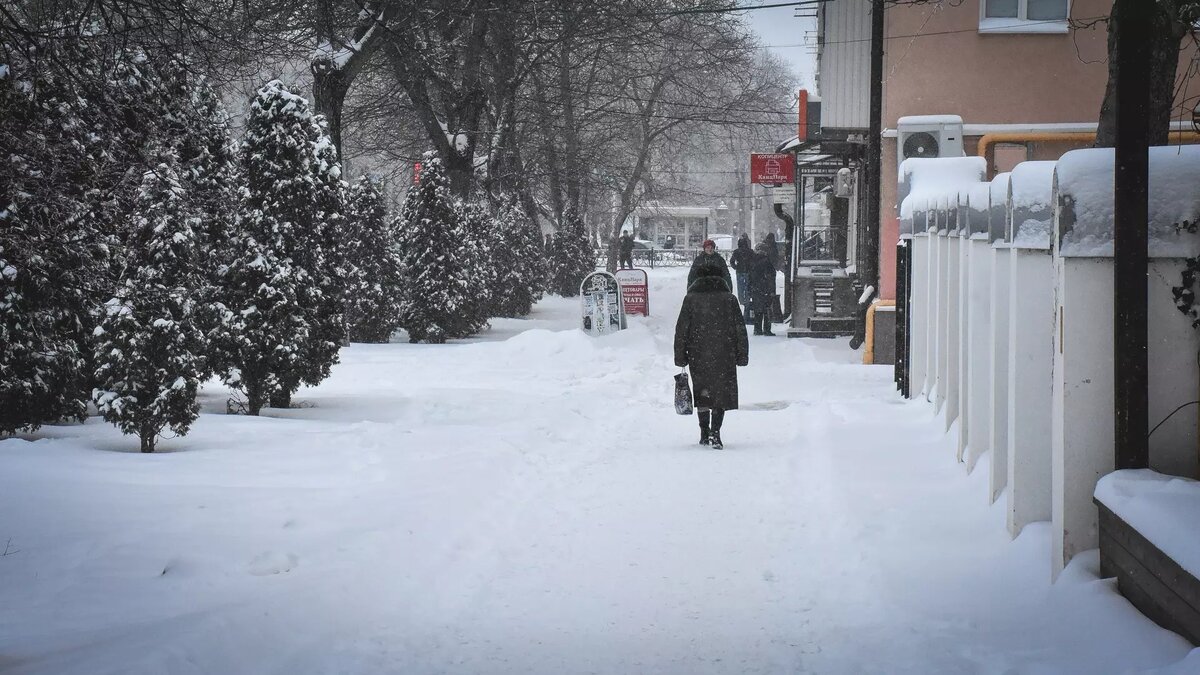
[(782, 194), (771, 168), (600, 302), (635, 291)]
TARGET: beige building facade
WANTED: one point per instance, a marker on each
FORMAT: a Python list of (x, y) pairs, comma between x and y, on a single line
[(1025, 71)]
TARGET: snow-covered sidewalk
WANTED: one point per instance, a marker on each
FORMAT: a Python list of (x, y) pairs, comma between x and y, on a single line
[(528, 502)]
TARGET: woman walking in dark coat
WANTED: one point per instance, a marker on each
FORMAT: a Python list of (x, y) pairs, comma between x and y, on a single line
[(710, 338), (762, 289)]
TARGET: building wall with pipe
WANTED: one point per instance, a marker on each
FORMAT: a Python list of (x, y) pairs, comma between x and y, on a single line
[(937, 62)]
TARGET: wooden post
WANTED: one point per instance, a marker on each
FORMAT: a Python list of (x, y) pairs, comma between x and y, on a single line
[(1130, 208)]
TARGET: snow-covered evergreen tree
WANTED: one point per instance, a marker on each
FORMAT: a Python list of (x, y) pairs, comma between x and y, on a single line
[(373, 305), (571, 256), (62, 185), (480, 250), (431, 240), (267, 289), (148, 348), (519, 261), (319, 250)]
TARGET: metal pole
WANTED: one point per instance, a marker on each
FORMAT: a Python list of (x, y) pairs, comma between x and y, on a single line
[(868, 271), (1130, 208)]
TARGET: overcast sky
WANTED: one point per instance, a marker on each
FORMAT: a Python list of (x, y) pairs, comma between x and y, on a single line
[(778, 26)]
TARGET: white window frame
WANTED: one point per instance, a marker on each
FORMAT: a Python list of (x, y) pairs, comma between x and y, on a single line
[(1020, 24)]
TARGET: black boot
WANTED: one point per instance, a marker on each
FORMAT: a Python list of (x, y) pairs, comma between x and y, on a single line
[(704, 417), (718, 416)]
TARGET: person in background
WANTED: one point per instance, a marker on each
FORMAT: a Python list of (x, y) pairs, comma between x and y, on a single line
[(626, 250), (741, 261), (710, 340), (710, 259), (762, 289), (774, 250)]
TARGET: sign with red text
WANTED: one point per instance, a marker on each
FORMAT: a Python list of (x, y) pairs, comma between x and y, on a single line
[(772, 168), (635, 291)]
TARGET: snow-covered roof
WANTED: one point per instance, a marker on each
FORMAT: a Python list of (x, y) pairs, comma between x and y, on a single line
[(1031, 201), (998, 211), (934, 183), (1084, 181)]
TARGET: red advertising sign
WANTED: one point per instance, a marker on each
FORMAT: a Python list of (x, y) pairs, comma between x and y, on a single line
[(635, 291), (772, 168), (416, 173)]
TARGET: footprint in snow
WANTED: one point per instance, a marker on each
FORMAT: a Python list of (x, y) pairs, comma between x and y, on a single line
[(272, 562)]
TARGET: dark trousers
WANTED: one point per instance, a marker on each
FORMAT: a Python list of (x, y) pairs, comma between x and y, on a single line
[(711, 422), (762, 322), (626, 261)]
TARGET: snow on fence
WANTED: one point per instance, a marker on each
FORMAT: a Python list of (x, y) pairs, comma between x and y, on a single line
[(1010, 307), (1030, 353), (1083, 441)]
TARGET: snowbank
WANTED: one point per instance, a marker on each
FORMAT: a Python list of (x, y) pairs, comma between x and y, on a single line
[(1032, 203), (1162, 508), (1085, 191)]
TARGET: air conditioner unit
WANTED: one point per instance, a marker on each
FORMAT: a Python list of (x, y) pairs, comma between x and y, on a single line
[(929, 136)]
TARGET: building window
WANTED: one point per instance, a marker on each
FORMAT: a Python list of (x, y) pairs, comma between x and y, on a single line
[(1023, 16)]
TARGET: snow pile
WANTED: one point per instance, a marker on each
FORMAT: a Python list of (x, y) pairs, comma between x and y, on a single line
[(936, 183), (1162, 508), (1032, 204), (979, 201), (1085, 192), (998, 211)]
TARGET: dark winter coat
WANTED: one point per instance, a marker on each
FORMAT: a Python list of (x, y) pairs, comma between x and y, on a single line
[(743, 258), (710, 338), (710, 264), (762, 281), (773, 250), (626, 245)]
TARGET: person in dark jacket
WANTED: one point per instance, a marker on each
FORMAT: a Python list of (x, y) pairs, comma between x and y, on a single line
[(710, 339), (711, 260), (773, 251), (762, 289), (741, 261), (626, 250)]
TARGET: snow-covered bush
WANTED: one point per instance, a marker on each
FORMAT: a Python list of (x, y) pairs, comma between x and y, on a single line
[(373, 296), (480, 249), (148, 348), (519, 262), (571, 257)]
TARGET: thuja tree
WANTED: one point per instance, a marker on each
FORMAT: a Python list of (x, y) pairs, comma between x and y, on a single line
[(148, 348), (519, 262), (571, 257), (430, 237), (373, 302), (320, 251), (268, 296), (479, 264), (76, 117)]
